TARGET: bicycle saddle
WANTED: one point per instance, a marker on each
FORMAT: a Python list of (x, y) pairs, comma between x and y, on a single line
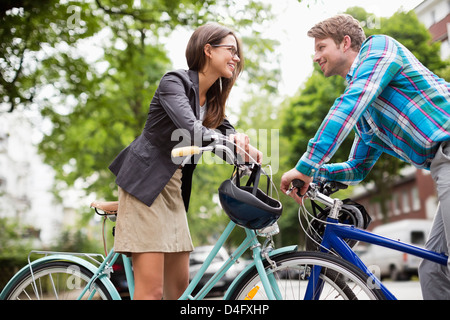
[(108, 207)]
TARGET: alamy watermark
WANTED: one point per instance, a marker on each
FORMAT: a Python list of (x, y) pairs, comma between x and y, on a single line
[(73, 282), (373, 20), (74, 20), (372, 281), (265, 140)]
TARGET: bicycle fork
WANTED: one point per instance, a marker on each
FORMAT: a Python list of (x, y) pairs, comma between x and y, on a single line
[(267, 277)]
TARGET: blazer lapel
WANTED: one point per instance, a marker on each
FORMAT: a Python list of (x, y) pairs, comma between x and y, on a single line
[(193, 75)]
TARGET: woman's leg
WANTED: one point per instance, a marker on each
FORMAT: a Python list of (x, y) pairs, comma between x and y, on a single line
[(148, 268), (176, 274), (157, 273)]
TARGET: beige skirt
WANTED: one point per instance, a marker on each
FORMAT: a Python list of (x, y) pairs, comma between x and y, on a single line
[(162, 227)]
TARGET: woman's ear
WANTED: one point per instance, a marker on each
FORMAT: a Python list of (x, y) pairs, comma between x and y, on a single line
[(207, 49)]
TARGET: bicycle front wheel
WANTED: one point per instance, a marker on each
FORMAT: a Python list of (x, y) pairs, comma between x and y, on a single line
[(336, 279), (57, 280)]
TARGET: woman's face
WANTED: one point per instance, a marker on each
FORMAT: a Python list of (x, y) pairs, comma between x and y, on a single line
[(224, 57)]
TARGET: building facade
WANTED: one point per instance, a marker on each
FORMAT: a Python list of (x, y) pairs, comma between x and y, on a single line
[(435, 15), (413, 196), (25, 182)]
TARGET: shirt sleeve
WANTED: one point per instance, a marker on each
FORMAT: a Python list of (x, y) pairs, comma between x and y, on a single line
[(377, 66), (361, 160)]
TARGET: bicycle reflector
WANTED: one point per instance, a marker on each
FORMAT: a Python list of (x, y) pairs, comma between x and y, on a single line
[(248, 206)]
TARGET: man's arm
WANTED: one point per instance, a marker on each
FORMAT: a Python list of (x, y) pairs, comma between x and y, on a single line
[(361, 160), (379, 63)]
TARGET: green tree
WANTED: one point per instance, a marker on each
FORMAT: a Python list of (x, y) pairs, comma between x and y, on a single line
[(95, 114), (97, 107), (30, 33)]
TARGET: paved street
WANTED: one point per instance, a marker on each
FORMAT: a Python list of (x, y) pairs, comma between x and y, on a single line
[(405, 290)]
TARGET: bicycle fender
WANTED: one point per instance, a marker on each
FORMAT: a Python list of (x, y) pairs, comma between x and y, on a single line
[(273, 253), (61, 257)]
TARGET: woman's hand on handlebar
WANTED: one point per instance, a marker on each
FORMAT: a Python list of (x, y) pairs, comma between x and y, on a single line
[(286, 181), (244, 148), (255, 154)]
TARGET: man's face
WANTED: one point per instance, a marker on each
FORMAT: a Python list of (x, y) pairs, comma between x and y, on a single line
[(330, 57)]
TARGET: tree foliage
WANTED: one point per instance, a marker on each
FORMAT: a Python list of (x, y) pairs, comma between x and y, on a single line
[(91, 67)]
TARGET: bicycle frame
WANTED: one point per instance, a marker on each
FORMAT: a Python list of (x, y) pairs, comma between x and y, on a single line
[(250, 242), (333, 240)]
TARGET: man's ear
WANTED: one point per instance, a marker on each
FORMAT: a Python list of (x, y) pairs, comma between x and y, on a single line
[(347, 43)]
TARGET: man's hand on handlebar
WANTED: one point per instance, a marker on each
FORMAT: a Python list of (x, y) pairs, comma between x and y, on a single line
[(287, 179)]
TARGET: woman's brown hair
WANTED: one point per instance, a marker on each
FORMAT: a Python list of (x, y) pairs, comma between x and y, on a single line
[(218, 93)]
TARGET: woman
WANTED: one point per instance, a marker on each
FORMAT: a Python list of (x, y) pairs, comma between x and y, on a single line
[(153, 190)]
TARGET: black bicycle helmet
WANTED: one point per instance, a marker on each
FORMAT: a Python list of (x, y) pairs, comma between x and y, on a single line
[(248, 206)]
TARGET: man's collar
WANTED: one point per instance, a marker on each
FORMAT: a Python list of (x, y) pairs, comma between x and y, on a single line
[(352, 69)]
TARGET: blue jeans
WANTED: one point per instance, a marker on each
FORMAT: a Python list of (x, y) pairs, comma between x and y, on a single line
[(435, 278)]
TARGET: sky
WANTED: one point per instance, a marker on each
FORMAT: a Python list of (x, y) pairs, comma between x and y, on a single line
[(293, 20)]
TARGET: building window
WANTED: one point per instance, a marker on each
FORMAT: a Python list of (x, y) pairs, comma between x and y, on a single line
[(375, 211), (415, 199), (396, 205), (406, 207)]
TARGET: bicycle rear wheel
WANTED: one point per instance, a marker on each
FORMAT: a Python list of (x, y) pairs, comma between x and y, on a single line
[(338, 279), (57, 280)]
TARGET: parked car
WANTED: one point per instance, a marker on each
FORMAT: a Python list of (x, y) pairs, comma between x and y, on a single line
[(119, 279), (199, 255), (395, 264)]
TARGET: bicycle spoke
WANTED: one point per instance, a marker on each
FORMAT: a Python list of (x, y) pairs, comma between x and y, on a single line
[(53, 286), (336, 279), (57, 280)]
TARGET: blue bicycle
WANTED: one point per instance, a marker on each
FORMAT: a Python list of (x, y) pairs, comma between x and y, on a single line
[(335, 226)]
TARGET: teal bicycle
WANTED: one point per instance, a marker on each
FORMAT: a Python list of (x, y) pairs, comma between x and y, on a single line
[(274, 274)]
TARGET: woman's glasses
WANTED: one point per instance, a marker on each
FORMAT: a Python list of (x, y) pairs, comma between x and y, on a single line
[(229, 47)]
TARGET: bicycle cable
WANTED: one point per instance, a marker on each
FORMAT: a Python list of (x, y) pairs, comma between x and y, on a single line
[(272, 184), (306, 214), (103, 235)]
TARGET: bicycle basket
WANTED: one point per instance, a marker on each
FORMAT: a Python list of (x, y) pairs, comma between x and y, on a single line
[(351, 213), (248, 206)]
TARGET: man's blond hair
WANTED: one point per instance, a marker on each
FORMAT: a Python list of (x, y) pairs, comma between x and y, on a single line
[(337, 28)]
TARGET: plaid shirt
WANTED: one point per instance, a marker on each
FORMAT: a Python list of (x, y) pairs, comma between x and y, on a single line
[(393, 103)]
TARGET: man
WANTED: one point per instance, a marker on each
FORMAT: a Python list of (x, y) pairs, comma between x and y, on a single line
[(395, 105)]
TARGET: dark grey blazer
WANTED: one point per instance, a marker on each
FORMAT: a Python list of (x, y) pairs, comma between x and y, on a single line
[(145, 166)]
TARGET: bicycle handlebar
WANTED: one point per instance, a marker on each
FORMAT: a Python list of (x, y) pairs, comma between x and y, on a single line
[(326, 187), (185, 151), (319, 191), (245, 168), (215, 146), (297, 183)]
